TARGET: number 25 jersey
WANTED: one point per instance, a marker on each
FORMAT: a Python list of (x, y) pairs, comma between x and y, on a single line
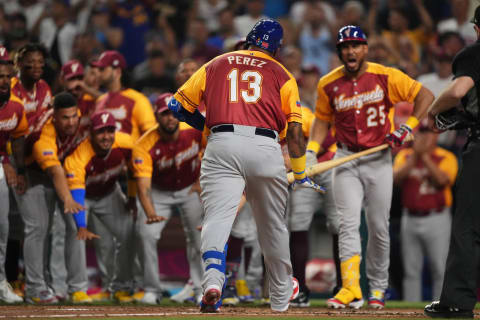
[(360, 108), (243, 87)]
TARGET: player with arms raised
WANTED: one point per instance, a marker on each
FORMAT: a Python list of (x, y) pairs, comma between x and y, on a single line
[(249, 99), (357, 99)]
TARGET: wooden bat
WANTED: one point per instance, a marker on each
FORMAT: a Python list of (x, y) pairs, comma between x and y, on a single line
[(330, 164), (146, 133)]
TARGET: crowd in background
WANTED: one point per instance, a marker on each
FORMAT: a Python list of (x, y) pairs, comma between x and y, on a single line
[(420, 37)]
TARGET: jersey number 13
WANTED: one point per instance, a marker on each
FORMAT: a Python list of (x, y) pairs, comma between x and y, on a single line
[(254, 80)]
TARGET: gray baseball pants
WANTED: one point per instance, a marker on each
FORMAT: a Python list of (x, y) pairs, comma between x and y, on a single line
[(104, 251), (111, 211), (424, 236), (234, 162), (4, 208), (37, 206), (366, 181), (191, 213)]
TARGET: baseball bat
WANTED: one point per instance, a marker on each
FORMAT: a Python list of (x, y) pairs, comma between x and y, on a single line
[(146, 133), (330, 164)]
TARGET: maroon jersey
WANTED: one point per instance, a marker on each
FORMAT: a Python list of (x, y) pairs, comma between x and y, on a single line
[(98, 175), (13, 123), (86, 105), (243, 87), (172, 165), (360, 108), (36, 103)]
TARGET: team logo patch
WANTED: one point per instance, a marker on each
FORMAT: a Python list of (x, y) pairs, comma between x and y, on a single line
[(69, 175), (299, 104), (138, 161), (48, 153)]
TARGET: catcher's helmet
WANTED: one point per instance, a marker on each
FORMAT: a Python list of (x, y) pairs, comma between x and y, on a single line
[(351, 33), (266, 34)]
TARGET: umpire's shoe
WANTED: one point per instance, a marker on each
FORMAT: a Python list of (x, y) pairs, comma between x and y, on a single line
[(211, 301), (437, 310)]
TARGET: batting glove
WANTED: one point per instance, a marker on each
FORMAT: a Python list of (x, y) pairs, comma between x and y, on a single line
[(307, 183), (398, 137)]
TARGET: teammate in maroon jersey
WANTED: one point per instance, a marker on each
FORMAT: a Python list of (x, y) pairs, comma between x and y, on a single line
[(33, 91), (13, 127)]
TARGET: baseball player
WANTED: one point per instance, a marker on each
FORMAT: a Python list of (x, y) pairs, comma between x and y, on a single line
[(46, 150), (13, 127), (249, 98), (166, 165), (131, 109), (302, 205), (356, 98), (426, 174), (29, 87), (92, 170)]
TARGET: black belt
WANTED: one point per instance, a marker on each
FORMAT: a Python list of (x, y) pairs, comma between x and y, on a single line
[(258, 131), (418, 213), (350, 148)]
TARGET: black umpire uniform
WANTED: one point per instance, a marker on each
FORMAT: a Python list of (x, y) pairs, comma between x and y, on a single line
[(459, 293)]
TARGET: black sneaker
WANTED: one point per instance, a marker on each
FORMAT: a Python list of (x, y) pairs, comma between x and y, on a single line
[(230, 297), (303, 299), (436, 310)]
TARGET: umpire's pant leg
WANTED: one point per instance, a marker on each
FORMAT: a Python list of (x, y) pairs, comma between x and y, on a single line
[(36, 213), (4, 208)]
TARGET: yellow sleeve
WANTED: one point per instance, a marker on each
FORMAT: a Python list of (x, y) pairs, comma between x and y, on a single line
[(190, 94), (141, 162), (323, 110), (45, 152), (22, 128), (307, 119), (400, 159), (290, 99), (449, 165), (143, 113), (401, 87), (75, 170)]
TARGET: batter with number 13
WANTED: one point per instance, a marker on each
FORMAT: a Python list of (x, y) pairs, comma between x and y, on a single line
[(357, 99)]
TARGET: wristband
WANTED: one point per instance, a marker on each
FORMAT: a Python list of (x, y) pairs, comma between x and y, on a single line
[(314, 146), (298, 167), (412, 122)]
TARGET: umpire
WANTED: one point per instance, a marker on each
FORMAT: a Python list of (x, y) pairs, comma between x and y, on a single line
[(459, 295)]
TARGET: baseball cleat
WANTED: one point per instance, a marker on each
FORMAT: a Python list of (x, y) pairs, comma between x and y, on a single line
[(122, 297), (243, 291), (7, 294), (296, 289), (100, 296), (346, 298), (376, 300), (45, 297), (303, 299), (150, 298), (185, 294), (138, 296), (80, 297), (229, 296), (211, 301)]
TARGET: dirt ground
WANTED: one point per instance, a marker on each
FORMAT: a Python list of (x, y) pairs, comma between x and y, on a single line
[(28, 311)]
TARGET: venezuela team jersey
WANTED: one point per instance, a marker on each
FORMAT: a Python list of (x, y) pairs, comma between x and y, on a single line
[(13, 123), (36, 104), (243, 87), (131, 109), (418, 193), (86, 105), (98, 175), (172, 165), (360, 108)]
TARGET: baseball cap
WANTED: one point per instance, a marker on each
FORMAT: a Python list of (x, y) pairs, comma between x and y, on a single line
[(476, 17), (72, 68), (161, 104), (102, 119), (111, 58), (4, 54)]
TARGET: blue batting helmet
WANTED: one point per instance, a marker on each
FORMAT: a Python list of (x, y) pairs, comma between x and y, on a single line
[(351, 33), (266, 34)]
